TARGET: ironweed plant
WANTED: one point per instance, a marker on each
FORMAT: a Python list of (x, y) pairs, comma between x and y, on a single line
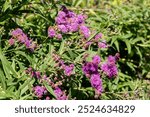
[(49, 50)]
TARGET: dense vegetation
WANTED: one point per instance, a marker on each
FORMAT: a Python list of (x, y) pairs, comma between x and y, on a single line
[(74, 49)]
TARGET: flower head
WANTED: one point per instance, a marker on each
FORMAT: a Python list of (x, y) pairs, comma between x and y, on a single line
[(85, 31), (60, 95), (111, 60), (63, 28), (39, 91), (11, 41), (96, 82), (102, 44), (38, 74), (98, 36), (109, 67), (59, 36), (90, 68), (96, 59), (51, 32), (69, 69), (16, 32)]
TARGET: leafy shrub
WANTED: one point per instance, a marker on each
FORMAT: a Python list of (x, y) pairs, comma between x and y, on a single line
[(63, 55)]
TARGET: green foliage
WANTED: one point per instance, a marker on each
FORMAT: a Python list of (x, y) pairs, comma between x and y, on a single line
[(126, 26)]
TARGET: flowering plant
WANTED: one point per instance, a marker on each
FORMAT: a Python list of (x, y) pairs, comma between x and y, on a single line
[(63, 76), (49, 51)]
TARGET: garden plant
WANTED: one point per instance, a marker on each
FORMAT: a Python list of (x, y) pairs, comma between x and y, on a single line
[(74, 49)]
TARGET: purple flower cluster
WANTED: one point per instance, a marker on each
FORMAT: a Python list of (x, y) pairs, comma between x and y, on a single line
[(96, 59), (60, 95), (33, 73), (68, 69), (98, 36), (109, 67), (39, 91), (98, 40), (102, 44), (22, 38), (85, 31), (67, 22), (96, 82), (51, 32), (90, 69)]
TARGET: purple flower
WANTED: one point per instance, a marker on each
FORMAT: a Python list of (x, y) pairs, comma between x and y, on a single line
[(96, 59), (33, 74), (90, 68), (16, 32), (102, 44), (70, 14), (80, 18), (69, 69), (59, 36), (29, 70), (38, 74), (11, 41), (51, 32), (98, 36), (111, 60), (59, 20), (87, 44), (96, 82), (32, 47), (74, 27), (48, 98), (85, 31), (61, 14), (60, 95), (109, 69), (44, 77), (63, 28), (68, 21), (22, 38), (39, 91), (27, 43)]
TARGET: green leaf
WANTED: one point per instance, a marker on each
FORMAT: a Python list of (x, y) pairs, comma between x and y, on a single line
[(133, 41), (6, 66), (128, 44), (61, 49), (117, 45), (2, 79), (26, 86), (6, 5), (25, 55), (49, 88)]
